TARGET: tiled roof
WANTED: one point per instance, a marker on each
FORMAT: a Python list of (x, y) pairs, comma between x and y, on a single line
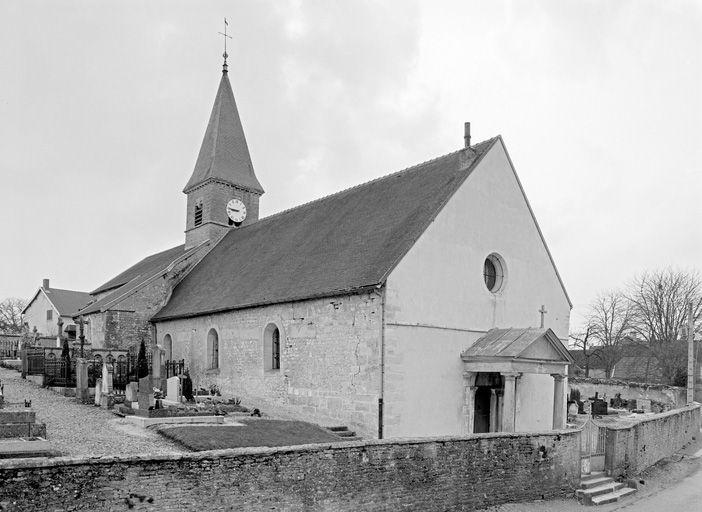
[(67, 302), (345, 242), (146, 266), (224, 154), (140, 274), (511, 343)]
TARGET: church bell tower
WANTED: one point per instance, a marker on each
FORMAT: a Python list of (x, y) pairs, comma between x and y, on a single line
[(223, 191)]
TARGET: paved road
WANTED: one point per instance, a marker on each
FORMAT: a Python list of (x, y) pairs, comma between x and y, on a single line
[(686, 495), (83, 430)]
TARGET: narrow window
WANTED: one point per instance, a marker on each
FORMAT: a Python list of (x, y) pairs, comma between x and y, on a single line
[(271, 347), (168, 347), (49, 314), (213, 349), (275, 348), (198, 213)]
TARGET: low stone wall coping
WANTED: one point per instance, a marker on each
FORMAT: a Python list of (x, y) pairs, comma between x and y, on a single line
[(655, 417), (44, 462), (617, 382)]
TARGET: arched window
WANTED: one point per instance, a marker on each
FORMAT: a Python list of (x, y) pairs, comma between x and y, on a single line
[(168, 347), (213, 349), (271, 347)]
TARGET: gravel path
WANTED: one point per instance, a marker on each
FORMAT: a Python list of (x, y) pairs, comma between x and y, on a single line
[(83, 430)]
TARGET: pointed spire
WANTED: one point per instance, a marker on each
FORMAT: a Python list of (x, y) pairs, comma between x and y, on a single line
[(224, 154)]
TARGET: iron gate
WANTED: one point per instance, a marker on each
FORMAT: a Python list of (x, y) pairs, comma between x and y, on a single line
[(593, 439)]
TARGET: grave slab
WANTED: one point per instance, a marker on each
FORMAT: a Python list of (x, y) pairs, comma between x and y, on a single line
[(145, 422)]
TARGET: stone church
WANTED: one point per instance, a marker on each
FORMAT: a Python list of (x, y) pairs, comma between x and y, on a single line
[(405, 306)]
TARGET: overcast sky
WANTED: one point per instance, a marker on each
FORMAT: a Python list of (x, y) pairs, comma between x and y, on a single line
[(103, 106)]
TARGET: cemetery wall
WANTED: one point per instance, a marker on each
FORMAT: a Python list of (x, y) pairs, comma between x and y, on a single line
[(630, 450), (434, 474), (329, 358), (671, 397)]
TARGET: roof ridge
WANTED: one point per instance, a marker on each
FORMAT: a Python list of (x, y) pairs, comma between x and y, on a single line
[(374, 180), (51, 288)]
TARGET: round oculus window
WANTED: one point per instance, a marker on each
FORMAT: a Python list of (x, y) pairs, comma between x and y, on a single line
[(493, 273)]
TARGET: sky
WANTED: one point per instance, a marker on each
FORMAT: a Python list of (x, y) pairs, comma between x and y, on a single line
[(103, 106)]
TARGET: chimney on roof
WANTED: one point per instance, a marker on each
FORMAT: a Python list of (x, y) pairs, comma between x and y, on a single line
[(45, 284), (466, 134)]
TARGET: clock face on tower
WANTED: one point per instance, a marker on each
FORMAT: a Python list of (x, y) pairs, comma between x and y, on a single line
[(236, 210)]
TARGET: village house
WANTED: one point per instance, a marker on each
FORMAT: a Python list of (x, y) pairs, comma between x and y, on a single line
[(51, 309), (405, 306)]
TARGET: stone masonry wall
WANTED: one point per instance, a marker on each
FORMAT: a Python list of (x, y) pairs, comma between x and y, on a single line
[(672, 397), (429, 474), (127, 322), (329, 358), (630, 450)]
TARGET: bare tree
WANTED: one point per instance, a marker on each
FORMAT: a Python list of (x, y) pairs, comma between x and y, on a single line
[(610, 318), (11, 315), (659, 305), (583, 340)]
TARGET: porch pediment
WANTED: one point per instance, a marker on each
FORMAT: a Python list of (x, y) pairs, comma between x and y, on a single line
[(526, 350)]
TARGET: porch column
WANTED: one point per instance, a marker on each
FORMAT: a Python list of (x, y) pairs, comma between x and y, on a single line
[(494, 409), (469, 401), (559, 404), (509, 401)]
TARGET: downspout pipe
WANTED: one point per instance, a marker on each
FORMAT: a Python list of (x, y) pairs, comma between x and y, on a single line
[(381, 394)]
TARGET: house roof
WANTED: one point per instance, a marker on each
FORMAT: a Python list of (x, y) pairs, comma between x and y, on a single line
[(514, 343), (224, 154), (342, 243), (147, 266), (66, 302), (138, 275)]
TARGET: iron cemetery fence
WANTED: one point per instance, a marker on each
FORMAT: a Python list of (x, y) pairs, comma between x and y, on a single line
[(61, 372)]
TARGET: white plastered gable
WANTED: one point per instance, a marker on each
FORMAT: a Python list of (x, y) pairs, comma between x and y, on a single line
[(439, 282)]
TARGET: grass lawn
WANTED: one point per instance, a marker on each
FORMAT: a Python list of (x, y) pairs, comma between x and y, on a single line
[(253, 433)]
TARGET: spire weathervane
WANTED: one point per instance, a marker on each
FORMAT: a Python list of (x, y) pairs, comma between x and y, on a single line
[(225, 36)]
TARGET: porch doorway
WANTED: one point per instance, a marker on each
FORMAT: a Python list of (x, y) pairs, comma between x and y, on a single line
[(482, 410)]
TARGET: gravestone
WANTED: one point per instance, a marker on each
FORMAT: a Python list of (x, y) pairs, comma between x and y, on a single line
[(173, 389), (587, 407), (643, 404), (106, 379), (131, 392), (82, 394), (107, 399), (98, 391), (158, 379), (146, 393), (187, 387)]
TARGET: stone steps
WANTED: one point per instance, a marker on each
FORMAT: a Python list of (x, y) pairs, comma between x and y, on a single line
[(598, 489)]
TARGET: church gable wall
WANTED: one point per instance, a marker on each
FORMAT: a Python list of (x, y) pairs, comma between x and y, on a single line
[(329, 358), (127, 322), (437, 302)]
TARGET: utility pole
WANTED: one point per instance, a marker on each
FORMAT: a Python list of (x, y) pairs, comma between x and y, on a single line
[(690, 355)]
